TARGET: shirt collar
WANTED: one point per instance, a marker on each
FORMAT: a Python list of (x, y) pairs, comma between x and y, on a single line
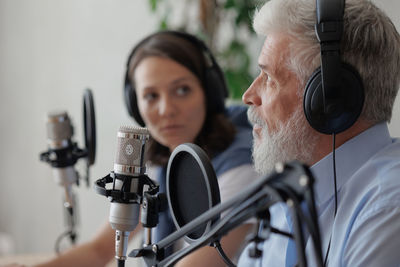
[(349, 158)]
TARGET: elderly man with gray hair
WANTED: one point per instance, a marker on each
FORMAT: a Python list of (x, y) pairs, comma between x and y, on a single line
[(329, 76)]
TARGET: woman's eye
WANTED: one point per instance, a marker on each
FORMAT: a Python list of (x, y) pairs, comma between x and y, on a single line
[(182, 90), (150, 96)]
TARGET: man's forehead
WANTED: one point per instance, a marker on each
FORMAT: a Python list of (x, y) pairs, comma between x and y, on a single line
[(267, 46), (273, 50)]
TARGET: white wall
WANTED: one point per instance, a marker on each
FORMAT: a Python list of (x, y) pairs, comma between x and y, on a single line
[(50, 51), (392, 8)]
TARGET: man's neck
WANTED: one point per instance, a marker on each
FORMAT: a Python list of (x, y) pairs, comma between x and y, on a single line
[(324, 145)]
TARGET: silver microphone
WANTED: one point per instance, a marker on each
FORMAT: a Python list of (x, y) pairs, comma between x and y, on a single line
[(59, 140), (62, 155), (129, 167)]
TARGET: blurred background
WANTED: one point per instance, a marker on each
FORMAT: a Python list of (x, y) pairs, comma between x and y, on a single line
[(50, 51)]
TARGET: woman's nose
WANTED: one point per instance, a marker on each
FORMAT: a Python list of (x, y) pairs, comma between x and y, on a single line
[(167, 107)]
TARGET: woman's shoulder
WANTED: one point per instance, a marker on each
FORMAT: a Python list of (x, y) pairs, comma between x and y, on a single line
[(239, 151), (237, 114)]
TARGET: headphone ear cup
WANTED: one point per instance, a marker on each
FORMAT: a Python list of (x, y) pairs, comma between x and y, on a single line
[(131, 104), (312, 100), (127, 98), (343, 112)]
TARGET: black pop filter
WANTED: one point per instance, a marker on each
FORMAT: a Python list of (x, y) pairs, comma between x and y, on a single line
[(90, 126), (192, 187)]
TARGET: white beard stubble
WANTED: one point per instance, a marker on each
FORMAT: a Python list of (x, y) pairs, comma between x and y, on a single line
[(294, 140)]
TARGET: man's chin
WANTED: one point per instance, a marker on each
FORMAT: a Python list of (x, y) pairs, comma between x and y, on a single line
[(292, 140), (263, 163), (256, 142)]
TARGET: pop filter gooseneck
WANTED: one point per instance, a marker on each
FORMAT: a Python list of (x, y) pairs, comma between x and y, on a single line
[(192, 188)]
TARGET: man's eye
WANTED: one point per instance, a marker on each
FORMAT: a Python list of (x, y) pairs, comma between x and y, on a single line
[(266, 77)]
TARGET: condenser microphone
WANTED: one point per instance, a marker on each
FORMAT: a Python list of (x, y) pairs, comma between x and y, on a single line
[(59, 134), (129, 168), (63, 153)]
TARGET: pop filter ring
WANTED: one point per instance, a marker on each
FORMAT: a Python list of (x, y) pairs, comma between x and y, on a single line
[(89, 126), (209, 180)]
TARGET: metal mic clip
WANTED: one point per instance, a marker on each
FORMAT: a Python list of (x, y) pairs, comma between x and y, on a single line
[(152, 204)]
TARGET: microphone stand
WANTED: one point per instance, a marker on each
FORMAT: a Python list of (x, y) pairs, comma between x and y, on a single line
[(63, 158), (70, 213), (291, 183)]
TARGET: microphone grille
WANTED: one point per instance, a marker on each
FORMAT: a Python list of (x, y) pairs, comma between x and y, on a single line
[(131, 145), (134, 130), (59, 129)]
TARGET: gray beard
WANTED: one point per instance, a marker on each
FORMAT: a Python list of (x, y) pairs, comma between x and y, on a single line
[(294, 140)]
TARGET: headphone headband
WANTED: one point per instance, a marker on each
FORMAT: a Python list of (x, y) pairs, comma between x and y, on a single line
[(331, 10), (334, 94), (329, 31)]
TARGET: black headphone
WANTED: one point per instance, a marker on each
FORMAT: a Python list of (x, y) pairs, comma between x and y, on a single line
[(214, 83), (334, 94)]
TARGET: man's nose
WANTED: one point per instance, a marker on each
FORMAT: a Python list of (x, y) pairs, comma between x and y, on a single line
[(251, 97)]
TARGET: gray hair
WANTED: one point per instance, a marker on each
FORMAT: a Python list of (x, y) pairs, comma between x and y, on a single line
[(370, 43)]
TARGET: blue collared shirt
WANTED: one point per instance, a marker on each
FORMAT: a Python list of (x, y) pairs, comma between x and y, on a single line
[(366, 230)]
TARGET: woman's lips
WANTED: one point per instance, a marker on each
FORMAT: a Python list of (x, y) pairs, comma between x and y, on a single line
[(171, 128)]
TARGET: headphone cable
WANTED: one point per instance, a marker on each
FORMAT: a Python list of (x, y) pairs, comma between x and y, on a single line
[(336, 198)]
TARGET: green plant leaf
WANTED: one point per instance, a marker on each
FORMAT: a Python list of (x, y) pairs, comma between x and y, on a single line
[(237, 82), (234, 57), (163, 25), (153, 5), (229, 4)]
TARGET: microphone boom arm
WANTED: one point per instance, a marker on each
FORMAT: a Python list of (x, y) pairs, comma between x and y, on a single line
[(259, 196)]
